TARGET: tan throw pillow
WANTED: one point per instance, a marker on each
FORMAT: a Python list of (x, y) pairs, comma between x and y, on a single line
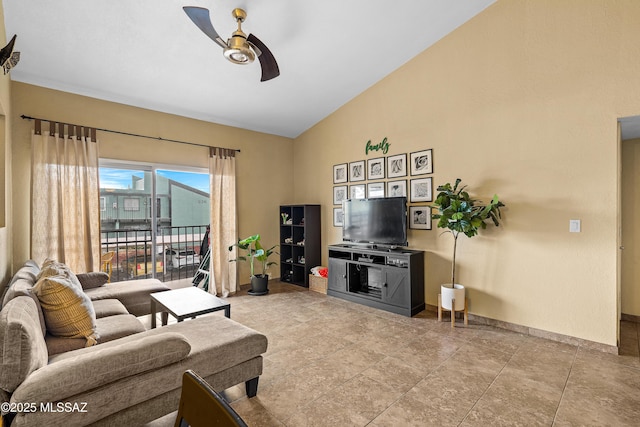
[(52, 267), (67, 310)]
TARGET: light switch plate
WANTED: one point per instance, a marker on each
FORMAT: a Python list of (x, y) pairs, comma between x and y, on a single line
[(574, 225)]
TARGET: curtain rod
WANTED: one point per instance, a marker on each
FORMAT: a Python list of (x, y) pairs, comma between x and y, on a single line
[(131, 134)]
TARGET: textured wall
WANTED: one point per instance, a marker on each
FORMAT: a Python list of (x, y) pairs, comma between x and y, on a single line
[(521, 101), (258, 197)]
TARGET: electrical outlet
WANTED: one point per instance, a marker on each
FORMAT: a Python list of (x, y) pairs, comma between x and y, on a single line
[(574, 225)]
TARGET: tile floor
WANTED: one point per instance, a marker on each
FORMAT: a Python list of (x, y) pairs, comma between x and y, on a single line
[(335, 363)]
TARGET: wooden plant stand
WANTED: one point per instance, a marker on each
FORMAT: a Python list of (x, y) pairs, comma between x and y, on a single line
[(453, 311)]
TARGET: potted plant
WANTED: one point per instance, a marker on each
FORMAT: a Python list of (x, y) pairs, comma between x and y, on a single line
[(459, 214), (255, 252)]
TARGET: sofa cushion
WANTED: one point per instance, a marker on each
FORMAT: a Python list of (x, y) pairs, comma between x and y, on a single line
[(67, 310), (28, 271), (92, 280), (90, 370), (109, 328), (22, 347), (17, 288), (21, 282), (25, 288), (134, 294), (108, 307), (229, 341)]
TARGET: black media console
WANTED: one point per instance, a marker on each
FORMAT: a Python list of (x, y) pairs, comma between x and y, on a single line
[(388, 279)]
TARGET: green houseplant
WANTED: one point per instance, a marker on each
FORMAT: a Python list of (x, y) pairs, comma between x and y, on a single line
[(255, 252), (458, 214)]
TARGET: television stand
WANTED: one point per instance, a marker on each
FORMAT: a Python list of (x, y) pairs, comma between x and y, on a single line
[(383, 279)]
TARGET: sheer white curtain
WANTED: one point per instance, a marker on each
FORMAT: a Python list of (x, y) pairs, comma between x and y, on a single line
[(223, 233), (65, 211)]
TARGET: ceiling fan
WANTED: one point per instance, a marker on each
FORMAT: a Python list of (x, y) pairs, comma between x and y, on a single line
[(240, 48)]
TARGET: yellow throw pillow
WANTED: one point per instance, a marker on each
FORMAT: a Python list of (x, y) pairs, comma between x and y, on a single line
[(68, 311)]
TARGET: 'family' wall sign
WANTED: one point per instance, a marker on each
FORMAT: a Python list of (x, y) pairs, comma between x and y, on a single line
[(380, 146)]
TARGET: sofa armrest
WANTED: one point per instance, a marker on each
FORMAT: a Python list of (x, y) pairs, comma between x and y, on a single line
[(94, 367), (92, 280)]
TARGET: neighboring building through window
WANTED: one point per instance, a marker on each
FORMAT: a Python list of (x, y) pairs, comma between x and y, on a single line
[(139, 230), (131, 204)]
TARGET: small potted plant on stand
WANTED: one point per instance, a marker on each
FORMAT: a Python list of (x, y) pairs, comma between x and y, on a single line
[(255, 251), (459, 214)]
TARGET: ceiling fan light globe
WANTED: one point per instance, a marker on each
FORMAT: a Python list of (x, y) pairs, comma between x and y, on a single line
[(238, 50), (239, 55)]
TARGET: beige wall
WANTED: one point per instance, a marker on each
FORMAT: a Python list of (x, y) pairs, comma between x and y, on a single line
[(5, 167), (521, 101), (630, 227), (264, 174)]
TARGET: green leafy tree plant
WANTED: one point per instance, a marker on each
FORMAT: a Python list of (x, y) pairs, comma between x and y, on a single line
[(459, 214), (255, 252)]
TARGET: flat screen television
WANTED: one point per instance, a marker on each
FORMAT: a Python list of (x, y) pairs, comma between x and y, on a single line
[(380, 221)]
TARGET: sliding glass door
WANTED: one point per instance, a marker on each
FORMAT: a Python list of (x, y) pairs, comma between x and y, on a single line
[(153, 221), (183, 200)]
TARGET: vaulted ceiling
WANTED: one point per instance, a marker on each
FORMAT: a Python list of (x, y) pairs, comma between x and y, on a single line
[(148, 53)]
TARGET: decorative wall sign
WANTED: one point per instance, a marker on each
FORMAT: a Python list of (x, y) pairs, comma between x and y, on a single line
[(339, 194), (357, 191), (421, 190), (375, 168), (380, 146), (420, 217), (356, 171), (397, 165), (422, 162), (375, 189), (338, 217), (397, 188)]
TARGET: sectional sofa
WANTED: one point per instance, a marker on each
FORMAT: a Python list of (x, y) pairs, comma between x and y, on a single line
[(127, 375)]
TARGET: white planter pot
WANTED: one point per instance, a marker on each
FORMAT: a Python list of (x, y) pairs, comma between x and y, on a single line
[(448, 294)]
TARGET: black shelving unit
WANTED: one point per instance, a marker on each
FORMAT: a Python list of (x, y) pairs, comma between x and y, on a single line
[(299, 243)]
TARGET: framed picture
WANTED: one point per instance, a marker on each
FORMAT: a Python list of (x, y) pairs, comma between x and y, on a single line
[(356, 171), (422, 162), (357, 191), (339, 194), (375, 168), (340, 173), (420, 217), (397, 188), (338, 217), (375, 190), (421, 190), (397, 166)]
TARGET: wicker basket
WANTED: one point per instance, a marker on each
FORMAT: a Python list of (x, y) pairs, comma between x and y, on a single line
[(318, 284)]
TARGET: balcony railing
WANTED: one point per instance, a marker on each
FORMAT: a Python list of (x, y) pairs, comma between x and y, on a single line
[(177, 252)]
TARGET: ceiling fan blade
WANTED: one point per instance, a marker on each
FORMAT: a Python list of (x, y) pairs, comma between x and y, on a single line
[(268, 63), (200, 17)]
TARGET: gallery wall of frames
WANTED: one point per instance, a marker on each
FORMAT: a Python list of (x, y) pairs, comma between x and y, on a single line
[(391, 176)]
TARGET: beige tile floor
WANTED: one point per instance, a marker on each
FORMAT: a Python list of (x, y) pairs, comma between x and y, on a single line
[(335, 363)]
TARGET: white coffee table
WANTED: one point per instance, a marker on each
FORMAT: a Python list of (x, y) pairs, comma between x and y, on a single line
[(186, 302)]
